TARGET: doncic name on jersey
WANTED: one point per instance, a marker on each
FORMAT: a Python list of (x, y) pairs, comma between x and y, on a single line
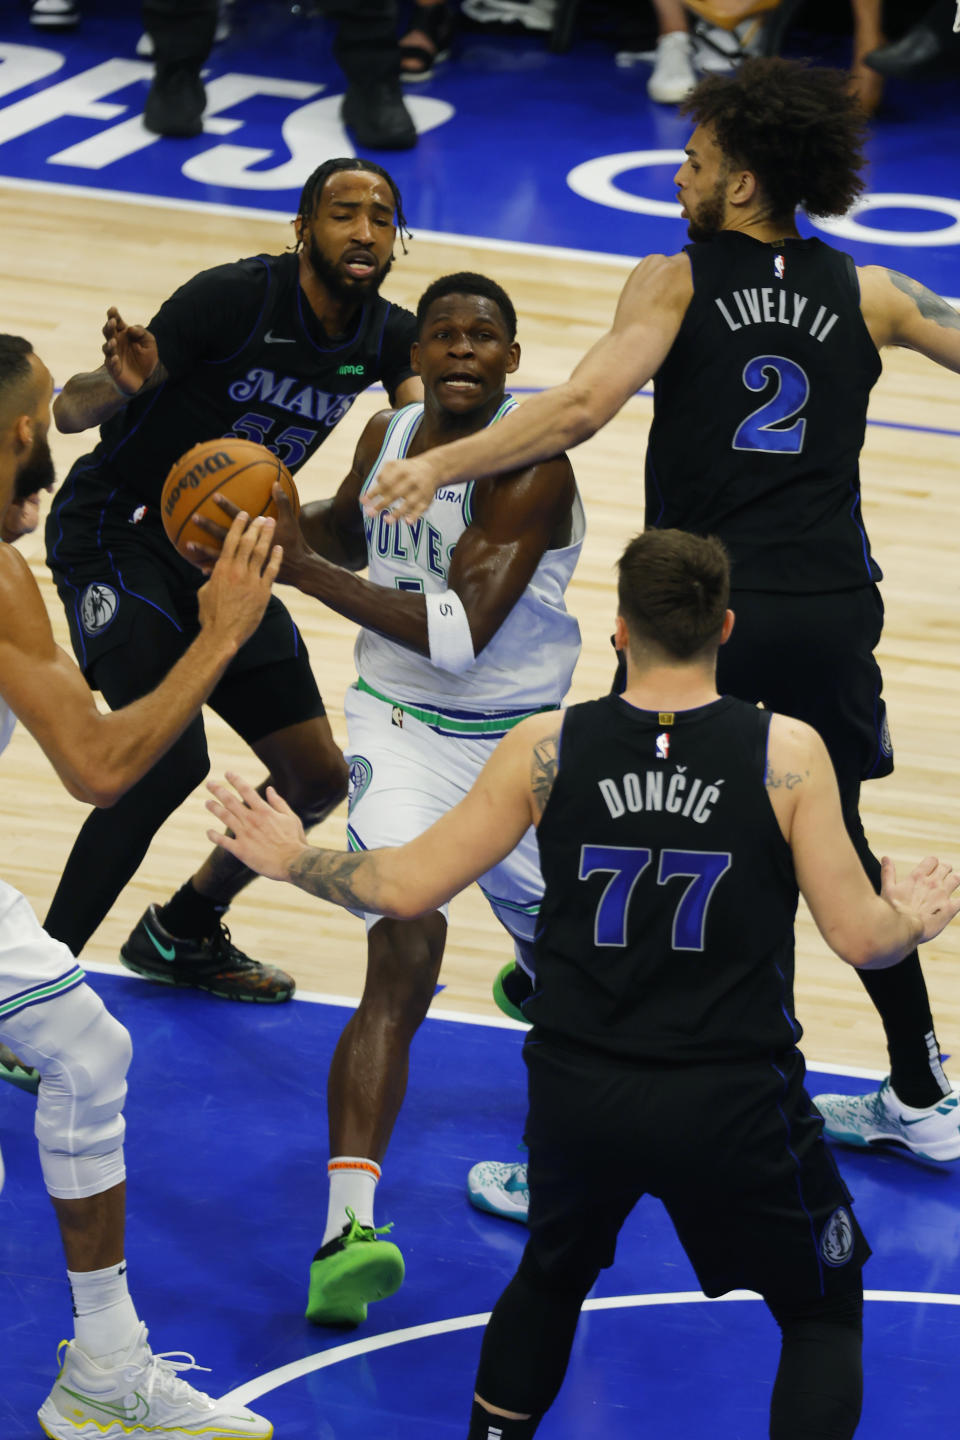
[(676, 793)]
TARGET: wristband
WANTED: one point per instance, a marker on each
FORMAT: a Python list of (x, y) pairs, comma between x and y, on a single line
[(448, 632)]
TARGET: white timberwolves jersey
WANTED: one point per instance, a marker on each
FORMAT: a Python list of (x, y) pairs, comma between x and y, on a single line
[(529, 662)]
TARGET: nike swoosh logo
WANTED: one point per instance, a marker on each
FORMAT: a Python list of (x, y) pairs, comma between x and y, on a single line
[(919, 1121), (169, 952), (272, 339), (140, 1411)]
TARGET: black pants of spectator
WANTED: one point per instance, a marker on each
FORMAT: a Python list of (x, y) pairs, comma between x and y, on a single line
[(181, 30), (365, 44)]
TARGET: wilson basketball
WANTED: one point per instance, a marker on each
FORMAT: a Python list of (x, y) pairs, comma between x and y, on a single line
[(241, 470)]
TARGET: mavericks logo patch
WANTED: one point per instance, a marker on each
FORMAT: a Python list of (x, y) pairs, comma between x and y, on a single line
[(361, 773), (836, 1242), (98, 606)]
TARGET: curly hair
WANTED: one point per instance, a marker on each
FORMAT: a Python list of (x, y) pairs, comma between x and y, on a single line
[(793, 125), (313, 188)]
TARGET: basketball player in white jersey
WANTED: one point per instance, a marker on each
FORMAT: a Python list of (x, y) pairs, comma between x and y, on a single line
[(48, 1016), (464, 633)]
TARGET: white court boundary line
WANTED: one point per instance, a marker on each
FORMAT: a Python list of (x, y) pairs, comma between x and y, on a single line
[(249, 212), (466, 1017), (322, 1360)]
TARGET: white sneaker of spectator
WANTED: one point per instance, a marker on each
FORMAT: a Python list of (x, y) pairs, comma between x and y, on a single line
[(718, 52), (673, 74)]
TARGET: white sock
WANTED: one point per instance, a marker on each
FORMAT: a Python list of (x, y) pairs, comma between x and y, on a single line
[(352, 1182), (104, 1313)]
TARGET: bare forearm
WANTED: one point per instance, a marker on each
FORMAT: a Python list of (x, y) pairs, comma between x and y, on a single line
[(87, 400), (319, 529), (542, 427), (400, 615), (124, 744), (355, 881), (884, 937)]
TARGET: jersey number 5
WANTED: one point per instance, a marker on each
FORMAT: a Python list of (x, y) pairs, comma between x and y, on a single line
[(768, 429), (625, 865)]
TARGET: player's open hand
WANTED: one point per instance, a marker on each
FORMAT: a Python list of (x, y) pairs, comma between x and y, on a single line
[(21, 517), (263, 833), (403, 488), (235, 596), (927, 894), (129, 352)]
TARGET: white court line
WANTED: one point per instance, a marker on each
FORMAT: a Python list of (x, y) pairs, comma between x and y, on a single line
[(308, 1364), (249, 212), (466, 1017)]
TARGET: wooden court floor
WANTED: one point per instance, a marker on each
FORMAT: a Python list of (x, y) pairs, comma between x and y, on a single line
[(63, 260)]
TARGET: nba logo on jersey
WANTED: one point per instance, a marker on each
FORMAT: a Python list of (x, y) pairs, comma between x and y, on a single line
[(663, 745), (778, 266)]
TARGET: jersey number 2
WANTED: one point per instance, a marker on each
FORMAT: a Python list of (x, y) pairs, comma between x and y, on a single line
[(625, 865), (767, 428)]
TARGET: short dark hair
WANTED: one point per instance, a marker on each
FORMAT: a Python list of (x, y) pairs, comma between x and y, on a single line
[(465, 282), (15, 366), (794, 125), (673, 590), (313, 188)]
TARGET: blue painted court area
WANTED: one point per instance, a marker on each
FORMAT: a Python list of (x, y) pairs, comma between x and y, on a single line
[(227, 1151), (517, 144)]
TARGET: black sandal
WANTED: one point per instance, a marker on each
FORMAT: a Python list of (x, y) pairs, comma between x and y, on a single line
[(436, 22)]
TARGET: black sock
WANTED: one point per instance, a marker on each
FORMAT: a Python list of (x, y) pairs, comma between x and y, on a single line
[(485, 1426), (900, 996), (190, 915)]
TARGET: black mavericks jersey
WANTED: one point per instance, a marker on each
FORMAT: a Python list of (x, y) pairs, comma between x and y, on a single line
[(760, 411), (666, 928), (245, 356)]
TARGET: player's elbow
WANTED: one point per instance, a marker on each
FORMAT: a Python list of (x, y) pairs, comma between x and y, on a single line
[(64, 415)]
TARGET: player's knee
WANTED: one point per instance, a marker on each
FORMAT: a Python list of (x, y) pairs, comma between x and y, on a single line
[(79, 1123), (403, 963), (312, 795)]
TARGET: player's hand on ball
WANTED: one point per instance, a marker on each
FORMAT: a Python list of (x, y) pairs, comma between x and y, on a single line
[(927, 895), (234, 598), (129, 352), (263, 833)]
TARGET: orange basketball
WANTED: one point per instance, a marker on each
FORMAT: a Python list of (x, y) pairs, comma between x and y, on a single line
[(241, 470)]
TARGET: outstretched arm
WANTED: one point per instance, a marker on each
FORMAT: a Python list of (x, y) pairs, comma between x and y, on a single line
[(131, 364), (406, 880), (867, 930), (649, 314), (99, 756), (901, 311)]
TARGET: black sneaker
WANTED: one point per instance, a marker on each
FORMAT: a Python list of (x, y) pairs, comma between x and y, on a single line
[(214, 965), (378, 117), (176, 103)]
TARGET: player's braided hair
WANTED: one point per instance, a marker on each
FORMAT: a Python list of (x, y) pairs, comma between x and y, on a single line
[(794, 125), (15, 355), (466, 282), (313, 188), (673, 589)]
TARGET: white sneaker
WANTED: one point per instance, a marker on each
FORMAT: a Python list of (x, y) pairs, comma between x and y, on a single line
[(880, 1118), (54, 14), (500, 1189), (673, 74), (718, 52), (140, 1398), (532, 14)]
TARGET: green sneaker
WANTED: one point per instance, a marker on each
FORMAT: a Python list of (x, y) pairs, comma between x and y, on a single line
[(511, 987), (351, 1270), (16, 1073)]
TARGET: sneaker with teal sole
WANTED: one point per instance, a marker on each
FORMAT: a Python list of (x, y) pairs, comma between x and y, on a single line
[(511, 987), (881, 1118), (500, 1189), (16, 1073), (350, 1271)]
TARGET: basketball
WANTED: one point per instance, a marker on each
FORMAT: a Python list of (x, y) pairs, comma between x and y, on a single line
[(241, 470)]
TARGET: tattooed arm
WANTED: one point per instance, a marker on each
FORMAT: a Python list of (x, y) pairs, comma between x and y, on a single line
[(901, 311), (508, 796), (867, 930)]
